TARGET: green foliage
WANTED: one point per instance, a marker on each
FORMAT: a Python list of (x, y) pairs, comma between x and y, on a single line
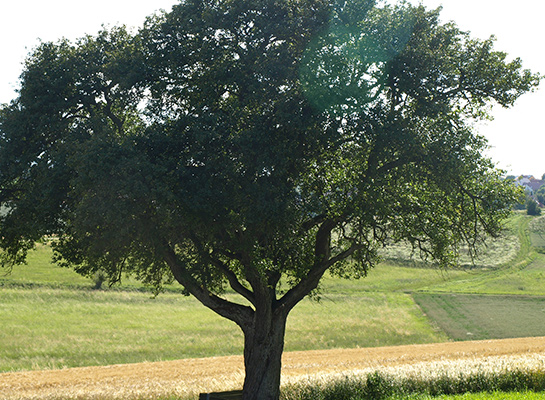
[(532, 208), (196, 145), (540, 194)]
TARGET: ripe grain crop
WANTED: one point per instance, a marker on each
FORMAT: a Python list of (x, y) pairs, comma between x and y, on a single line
[(186, 378)]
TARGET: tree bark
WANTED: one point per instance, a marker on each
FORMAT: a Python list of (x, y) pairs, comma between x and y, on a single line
[(263, 347)]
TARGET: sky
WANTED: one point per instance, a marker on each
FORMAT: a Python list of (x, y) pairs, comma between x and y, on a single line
[(516, 135)]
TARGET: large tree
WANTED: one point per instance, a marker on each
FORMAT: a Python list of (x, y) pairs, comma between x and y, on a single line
[(251, 146)]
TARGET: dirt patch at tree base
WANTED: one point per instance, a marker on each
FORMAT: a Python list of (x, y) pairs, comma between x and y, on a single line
[(191, 376)]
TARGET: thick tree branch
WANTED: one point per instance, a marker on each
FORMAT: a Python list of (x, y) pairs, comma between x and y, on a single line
[(311, 223), (311, 281), (118, 122), (231, 277), (321, 264), (241, 315), (235, 284)]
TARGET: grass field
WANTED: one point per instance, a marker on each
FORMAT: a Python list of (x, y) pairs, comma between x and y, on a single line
[(51, 317), (55, 328)]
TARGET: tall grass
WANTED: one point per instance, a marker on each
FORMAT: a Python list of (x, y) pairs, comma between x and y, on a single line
[(377, 386), (478, 396), (496, 374)]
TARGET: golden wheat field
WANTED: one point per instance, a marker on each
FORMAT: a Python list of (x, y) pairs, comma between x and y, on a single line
[(189, 377)]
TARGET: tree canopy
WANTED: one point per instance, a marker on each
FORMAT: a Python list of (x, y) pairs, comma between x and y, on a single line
[(540, 194), (253, 146)]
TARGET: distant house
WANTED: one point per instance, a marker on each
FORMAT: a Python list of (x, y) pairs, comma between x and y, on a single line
[(535, 185), (530, 184), (524, 179)]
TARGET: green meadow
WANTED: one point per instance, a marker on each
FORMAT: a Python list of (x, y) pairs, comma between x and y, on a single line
[(53, 318)]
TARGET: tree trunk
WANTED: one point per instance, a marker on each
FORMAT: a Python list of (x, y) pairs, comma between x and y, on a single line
[(263, 347)]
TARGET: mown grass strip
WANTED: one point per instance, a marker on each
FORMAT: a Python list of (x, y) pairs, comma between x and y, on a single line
[(478, 317)]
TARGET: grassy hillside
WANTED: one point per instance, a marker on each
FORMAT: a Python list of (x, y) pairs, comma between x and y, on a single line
[(51, 317), (524, 273)]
